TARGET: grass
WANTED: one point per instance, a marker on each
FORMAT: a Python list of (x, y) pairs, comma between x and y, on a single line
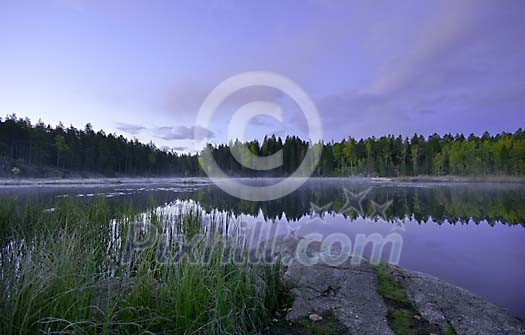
[(403, 317), (450, 330), (329, 325), (65, 271), (388, 288), (400, 310)]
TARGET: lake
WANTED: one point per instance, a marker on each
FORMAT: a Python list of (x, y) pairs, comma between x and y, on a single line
[(469, 234)]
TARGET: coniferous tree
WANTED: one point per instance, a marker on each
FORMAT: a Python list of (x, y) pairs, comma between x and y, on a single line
[(86, 150)]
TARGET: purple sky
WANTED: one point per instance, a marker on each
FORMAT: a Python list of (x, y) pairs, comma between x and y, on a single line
[(142, 68)]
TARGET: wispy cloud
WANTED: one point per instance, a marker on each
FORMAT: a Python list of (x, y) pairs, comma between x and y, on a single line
[(175, 148), (372, 67), (183, 133), (129, 128)]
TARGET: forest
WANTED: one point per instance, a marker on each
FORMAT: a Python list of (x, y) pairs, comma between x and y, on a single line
[(25, 144)]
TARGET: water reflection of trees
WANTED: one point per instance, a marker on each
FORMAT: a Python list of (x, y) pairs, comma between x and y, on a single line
[(441, 204), (452, 203)]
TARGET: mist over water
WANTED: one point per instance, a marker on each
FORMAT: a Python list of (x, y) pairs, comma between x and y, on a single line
[(471, 235)]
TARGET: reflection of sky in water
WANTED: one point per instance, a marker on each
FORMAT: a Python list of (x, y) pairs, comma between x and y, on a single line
[(471, 235), (487, 260)]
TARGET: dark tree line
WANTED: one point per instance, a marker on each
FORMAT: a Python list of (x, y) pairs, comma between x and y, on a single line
[(86, 150)]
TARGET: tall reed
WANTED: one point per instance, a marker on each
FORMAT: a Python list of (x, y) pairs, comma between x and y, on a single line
[(67, 270)]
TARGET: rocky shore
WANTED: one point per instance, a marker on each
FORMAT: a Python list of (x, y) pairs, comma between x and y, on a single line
[(356, 300)]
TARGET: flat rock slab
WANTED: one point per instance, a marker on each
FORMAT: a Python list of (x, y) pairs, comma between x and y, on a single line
[(349, 293), (442, 303), (346, 292)]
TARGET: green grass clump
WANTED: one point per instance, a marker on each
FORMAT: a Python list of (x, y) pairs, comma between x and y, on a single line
[(401, 321), (403, 317), (64, 271), (450, 330), (400, 311), (327, 326), (388, 288)]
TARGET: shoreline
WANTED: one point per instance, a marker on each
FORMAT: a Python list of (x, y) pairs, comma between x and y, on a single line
[(192, 180), (99, 181), (462, 179), (322, 289)]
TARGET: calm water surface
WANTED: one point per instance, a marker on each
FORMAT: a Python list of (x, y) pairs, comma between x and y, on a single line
[(472, 235)]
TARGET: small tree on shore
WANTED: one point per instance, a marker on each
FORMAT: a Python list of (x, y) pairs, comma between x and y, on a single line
[(61, 145)]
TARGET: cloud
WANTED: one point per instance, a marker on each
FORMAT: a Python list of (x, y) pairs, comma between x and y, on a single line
[(175, 148), (461, 71), (183, 133), (464, 44), (375, 74), (456, 66), (129, 128), (277, 133)]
